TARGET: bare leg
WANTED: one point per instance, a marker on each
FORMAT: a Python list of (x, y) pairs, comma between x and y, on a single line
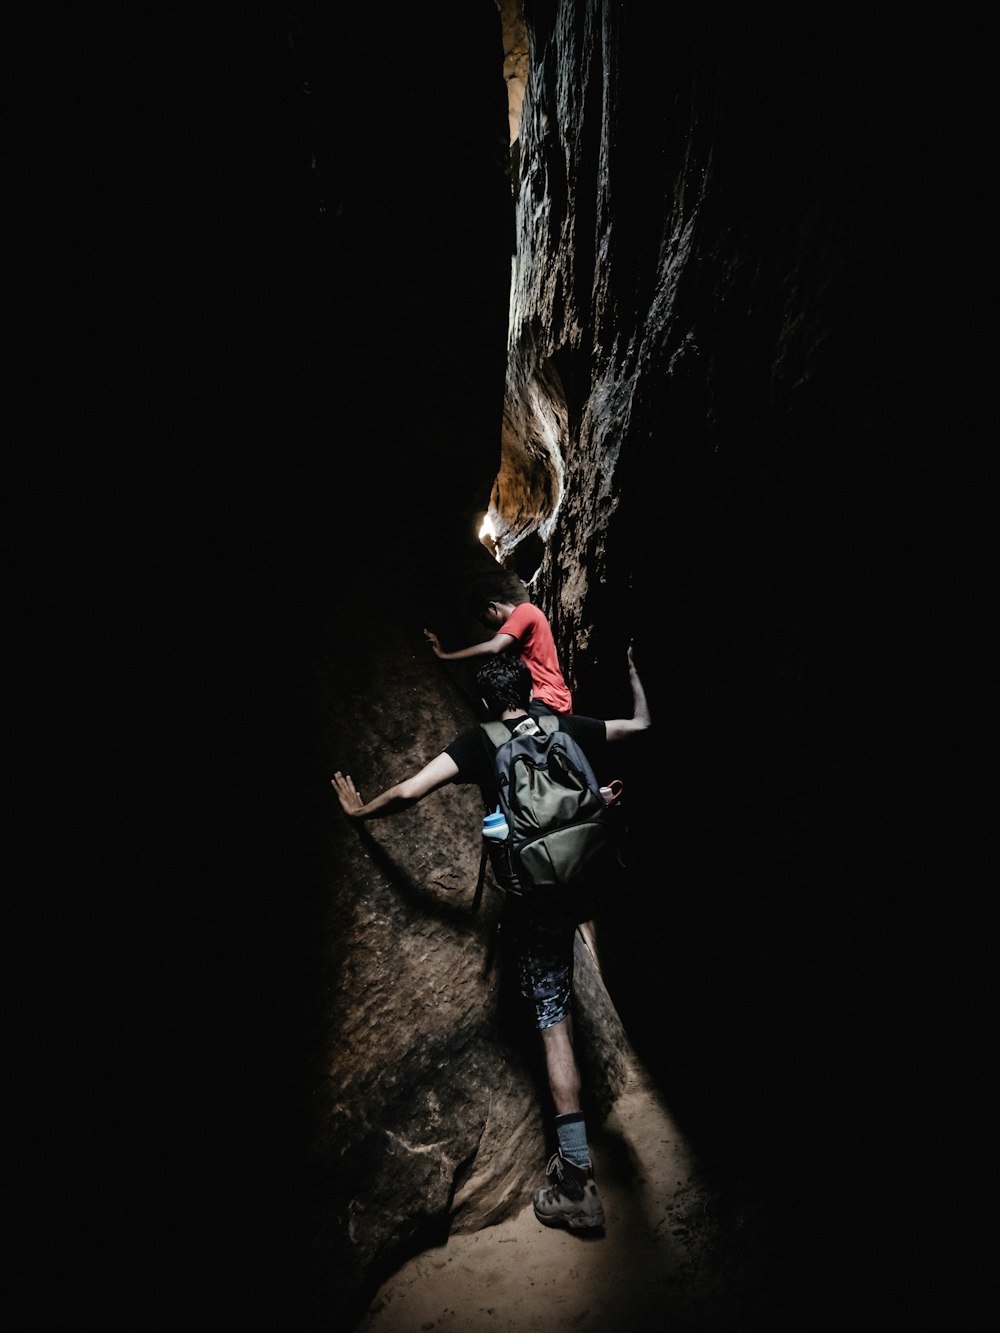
[(572, 1199), (561, 1066)]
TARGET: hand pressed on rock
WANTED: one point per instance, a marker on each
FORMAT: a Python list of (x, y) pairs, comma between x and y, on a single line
[(347, 793)]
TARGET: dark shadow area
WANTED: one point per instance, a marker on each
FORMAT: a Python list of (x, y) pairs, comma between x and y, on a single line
[(253, 309)]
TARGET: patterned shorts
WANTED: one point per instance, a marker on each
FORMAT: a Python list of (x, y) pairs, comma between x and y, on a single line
[(543, 955)]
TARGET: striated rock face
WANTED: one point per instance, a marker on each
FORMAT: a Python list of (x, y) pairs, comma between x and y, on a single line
[(701, 335)]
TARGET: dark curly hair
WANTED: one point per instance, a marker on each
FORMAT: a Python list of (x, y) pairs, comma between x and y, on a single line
[(501, 588), (504, 682)]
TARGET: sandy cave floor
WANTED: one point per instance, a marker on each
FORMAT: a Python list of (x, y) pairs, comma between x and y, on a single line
[(660, 1262)]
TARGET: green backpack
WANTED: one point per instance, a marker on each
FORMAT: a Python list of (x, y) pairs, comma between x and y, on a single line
[(559, 838)]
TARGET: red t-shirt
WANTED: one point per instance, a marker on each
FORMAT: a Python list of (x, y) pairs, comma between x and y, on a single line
[(528, 626)]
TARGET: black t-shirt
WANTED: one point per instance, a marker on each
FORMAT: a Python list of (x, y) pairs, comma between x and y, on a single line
[(474, 753)]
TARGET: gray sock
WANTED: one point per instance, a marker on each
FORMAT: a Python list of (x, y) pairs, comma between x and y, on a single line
[(572, 1133)]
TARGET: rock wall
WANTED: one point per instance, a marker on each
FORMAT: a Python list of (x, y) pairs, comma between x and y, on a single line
[(300, 1056), (725, 390)]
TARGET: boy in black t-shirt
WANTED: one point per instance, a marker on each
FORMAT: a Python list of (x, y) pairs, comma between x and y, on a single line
[(543, 945)]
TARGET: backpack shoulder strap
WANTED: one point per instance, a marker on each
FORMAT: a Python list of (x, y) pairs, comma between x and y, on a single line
[(497, 732), (548, 722)]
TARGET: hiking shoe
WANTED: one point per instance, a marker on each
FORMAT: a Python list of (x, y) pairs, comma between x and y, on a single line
[(572, 1199)]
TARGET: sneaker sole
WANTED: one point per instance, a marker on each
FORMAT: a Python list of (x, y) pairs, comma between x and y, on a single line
[(575, 1221)]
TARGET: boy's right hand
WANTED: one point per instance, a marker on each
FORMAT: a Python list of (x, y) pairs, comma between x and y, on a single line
[(433, 640), (347, 793)]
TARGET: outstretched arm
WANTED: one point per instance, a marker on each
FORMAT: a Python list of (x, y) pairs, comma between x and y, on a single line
[(498, 644), (618, 728), (400, 796)]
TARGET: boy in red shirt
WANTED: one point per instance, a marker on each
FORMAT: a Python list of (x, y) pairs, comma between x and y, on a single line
[(519, 626)]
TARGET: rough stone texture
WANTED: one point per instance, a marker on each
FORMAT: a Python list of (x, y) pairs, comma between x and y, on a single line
[(515, 60), (724, 392)]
